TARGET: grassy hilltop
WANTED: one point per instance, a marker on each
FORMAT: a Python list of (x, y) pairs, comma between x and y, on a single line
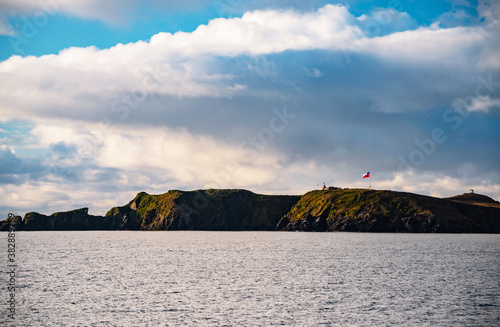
[(320, 210), (205, 210), (390, 211)]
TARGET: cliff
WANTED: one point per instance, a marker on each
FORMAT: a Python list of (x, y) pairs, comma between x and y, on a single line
[(355, 210), (204, 210), (78, 219), (389, 211), (174, 210)]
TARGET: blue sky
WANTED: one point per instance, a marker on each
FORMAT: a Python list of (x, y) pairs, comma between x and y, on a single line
[(101, 100), (50, 29)]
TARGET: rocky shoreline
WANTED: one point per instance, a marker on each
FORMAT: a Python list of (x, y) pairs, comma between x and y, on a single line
[(353, 210)]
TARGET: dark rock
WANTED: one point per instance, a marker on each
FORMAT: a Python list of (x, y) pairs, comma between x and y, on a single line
[(78, 219), (327, 210), (208, 210), (389, 211), (14, 222)]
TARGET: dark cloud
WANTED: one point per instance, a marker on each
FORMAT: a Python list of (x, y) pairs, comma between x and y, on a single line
[(62, 149), (353, 111), (16, 169), (11, 164)]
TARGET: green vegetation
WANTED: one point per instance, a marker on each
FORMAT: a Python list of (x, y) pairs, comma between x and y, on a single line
[(319, 210), (389, 211), (354, 203), (213, 209)]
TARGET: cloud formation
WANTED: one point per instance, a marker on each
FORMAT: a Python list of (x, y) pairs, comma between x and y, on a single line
[(277, 101), (111, 11), (180, 64)]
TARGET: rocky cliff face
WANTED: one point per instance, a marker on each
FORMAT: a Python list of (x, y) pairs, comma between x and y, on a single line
[(71, 220), (330, 210), (388, 211), (204, 210)]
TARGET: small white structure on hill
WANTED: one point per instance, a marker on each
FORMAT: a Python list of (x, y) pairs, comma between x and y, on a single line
[(329, 187)]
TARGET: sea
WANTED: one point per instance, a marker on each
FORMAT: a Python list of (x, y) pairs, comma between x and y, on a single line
[(203, 278)]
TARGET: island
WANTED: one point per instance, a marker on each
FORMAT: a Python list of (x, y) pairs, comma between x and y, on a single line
[(352, 210)]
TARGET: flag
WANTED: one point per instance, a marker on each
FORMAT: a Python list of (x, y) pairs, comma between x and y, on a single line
[(366, 175)]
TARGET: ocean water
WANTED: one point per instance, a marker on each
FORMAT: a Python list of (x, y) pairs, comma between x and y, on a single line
[(132, 278)]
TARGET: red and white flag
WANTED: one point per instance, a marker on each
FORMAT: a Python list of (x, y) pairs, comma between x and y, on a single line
[(366, 175)]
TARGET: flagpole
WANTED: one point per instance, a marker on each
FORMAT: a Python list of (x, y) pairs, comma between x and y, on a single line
[(370, 182)]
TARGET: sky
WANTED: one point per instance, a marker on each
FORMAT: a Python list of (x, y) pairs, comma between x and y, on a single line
[(100, 100)]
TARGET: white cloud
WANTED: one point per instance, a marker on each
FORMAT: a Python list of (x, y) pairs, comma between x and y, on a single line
[(48, 197), (490, 60), (173, 64), (265, 32), (180, 64), (157, 159), (385, 21), (145, 159), (435, 184), (481, 103), (452, 46), (171, 154), (115, 12), (79, 81), (112, 11), (66, 94)]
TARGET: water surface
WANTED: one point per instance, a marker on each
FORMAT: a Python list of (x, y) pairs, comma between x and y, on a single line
[(133, 278)]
